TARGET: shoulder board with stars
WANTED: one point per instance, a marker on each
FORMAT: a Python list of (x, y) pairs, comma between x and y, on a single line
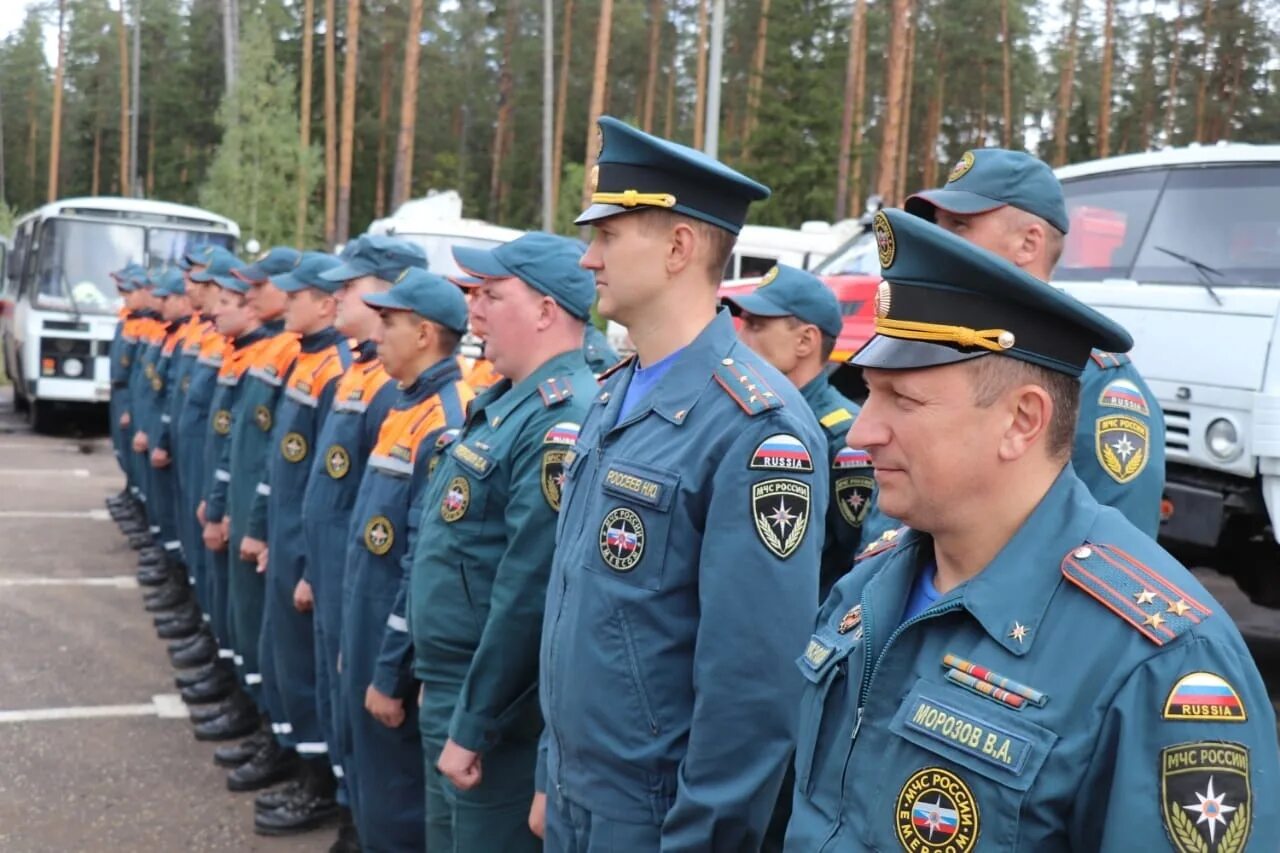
[(1109, 360), (1133, 591), (554, 391), (887, 541), (609, 371), (746, 386)]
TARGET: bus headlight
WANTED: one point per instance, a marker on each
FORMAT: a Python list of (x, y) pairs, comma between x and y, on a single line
[(1223, 440), (72, 367)]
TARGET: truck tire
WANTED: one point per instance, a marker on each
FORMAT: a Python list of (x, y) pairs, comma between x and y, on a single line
[(40, 416)]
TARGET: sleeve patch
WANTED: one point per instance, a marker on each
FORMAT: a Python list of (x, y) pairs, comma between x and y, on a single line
[(1123, 394), (1204, 697), (1206, 800), (1121, 443), (562, 433), (1134, 592), (847, 457), (782, 451), (780, 510)]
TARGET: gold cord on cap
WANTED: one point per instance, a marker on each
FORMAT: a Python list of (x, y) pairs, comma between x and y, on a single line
[(633, 198), (996, 340)]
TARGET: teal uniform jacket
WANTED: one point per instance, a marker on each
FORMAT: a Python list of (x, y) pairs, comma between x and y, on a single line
[(852, 481), (192, 424), (120, 356), (596, 350), (484, 546), (685, 575), (1084, 693), (140, 412), (1119, 447)]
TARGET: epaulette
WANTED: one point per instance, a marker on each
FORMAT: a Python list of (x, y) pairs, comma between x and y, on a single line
[(835, 417), (746, 386), (1133, 591), (446, 438), (554, 391), (615, 368), (1109, 360), (887, 540)]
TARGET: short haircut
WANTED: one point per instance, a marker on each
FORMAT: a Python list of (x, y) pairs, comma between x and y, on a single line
[(1053, 238), (449, 339), (719, 242), (828, 345), (994, 375)]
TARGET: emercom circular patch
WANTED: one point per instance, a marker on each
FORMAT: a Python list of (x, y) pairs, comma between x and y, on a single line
[(937, 811), (621, 539), (293, 447), (457, 498), (379, 535), (337, 462)]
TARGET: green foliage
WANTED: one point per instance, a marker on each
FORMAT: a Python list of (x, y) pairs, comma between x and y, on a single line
[(254, 174)]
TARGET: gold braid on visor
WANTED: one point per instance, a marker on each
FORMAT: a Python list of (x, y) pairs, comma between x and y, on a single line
[(634, 198), (996, 340)]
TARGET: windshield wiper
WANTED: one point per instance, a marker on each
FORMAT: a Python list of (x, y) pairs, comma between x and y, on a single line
[(71, 297), (1202, 269)]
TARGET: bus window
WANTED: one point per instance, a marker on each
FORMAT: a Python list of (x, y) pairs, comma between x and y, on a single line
[(752, 267), (76, 259), (166, 246)]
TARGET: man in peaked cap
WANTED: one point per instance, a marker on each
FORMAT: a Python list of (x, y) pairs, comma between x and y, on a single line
[(1011, 203), (1017, 669), (685, 569), (483, 552)]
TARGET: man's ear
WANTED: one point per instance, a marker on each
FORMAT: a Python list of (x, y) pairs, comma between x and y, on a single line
[(1031, 244), (1030, 411), (683, 244)]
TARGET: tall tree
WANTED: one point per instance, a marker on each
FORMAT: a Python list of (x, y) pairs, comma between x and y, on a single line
[(895, 99), (350, 67), (1067, 71), (700, 110), (506, 89), (304, 124), (403, 179), (1104, 96), (384, 114), (604, 31), (1006, 83), (330, 123), (656, 14), (900, 186), (55, 133), (1202, 80), (124, 102), (755, 82), (562, 98), (859, 114), (1175, 52), (852, 82)]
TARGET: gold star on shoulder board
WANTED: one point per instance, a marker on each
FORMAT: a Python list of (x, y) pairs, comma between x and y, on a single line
[(1155, 620), (1146, 596), (1178, 608), (1019, 632)]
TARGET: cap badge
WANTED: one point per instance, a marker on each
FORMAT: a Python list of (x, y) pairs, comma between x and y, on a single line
[(404, 272), (595, 178), (961, 168), (885, 243), (769, 277), (884, 298)]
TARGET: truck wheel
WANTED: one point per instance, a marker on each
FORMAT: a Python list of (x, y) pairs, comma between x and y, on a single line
[(40, 415), (21, 402)]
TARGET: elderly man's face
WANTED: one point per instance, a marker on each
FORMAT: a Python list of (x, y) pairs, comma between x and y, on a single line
[(933, 447)]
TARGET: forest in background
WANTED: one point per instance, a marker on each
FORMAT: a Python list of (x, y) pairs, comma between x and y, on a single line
[(343, 108)]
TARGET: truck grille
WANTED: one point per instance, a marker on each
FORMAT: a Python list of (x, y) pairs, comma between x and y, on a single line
[(1177, 430)]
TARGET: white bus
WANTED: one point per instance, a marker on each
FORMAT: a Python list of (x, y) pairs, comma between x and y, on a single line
[(58, 303)]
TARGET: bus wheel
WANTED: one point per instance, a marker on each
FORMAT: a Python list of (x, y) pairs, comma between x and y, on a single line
[(40, 415)]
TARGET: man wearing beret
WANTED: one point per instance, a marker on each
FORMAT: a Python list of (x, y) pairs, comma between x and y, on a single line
[(1010, 203), (423, 318), (686, 563), (484, 545), (1020, 668)]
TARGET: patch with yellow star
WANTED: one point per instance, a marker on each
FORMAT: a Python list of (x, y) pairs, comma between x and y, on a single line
[(293, 447), (337, 462), (936, 811), (1121, 445), (1204, 697), (1206, 801), (262, 417), (379, 535), (780, 509), (853, 496), (222, 421), (553, 476)]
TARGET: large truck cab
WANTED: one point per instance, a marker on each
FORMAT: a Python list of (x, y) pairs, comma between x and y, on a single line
[(58, 304), (1183, 248)]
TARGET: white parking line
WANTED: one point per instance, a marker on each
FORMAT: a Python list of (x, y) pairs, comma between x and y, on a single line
[(44, 472), (91, 514), (117, 581), (165, 706)]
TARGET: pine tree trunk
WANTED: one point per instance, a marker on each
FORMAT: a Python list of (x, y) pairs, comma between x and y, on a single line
[(669, 114), (124, 105), (1229, 109), (1104, 96), (1171, 104), (1202, 84), (350, 68), (900, 187), (895, 97), (700, 109), (846, 117), (408, 109), (97, 156), (756, 81), (1149, 87), (151, 152), (184, 175), (55, 133), (506, 87), (562, 98), (1006, 82), (1066, 81), (384, 115), (656, 14), (856, 201), (933, 123), (304, 123), (604, 32), (330, 123)]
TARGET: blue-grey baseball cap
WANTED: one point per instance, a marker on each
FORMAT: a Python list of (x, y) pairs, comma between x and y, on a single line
[(380, 256), (123, 277), (789, 292), (280, 259), (171, 283), (985, 179), (220, 271), (546, 262), (427, 295), (308, 273)]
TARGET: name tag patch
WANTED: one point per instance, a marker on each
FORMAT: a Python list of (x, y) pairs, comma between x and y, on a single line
[(472, 459), (631, 486), (969, 734)]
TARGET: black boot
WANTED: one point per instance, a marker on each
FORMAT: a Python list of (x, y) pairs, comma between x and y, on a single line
[(348, 839), (237, 704), (153, 555), (152, 575), (215, 688), (236, 754), (183, 624), (313, 806), (188, 677), (202, 652), (138, 541), (188, 642), (170, 596), (233, 725), (275, 798), (182, 613), (272, 763)]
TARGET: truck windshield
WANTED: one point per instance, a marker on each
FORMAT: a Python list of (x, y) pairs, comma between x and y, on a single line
[(166, 245), (1225, 217), (76, 259), (856, 257)]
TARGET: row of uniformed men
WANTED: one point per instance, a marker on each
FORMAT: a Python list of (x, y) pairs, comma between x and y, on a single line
[(685, 562)]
